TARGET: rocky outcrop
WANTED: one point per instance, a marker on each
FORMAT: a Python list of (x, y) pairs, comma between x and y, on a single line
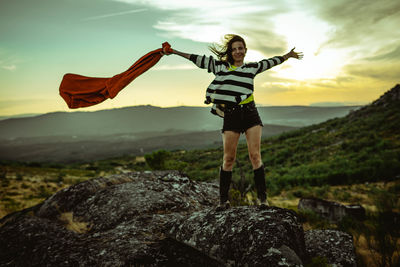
[(332, 211), (245, 235), (388, 97), (114, 221), (149, 219), (337, 247), (389, 101)]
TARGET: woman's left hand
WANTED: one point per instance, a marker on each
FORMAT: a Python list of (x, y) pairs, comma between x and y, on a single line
[(292, 53)]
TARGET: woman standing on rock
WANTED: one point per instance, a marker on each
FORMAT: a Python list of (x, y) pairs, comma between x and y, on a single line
[(231, 93)]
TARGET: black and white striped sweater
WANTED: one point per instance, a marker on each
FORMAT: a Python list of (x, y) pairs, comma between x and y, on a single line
[(231, 86)]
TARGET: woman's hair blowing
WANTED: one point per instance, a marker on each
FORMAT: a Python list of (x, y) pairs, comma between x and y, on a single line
[(224, 51)]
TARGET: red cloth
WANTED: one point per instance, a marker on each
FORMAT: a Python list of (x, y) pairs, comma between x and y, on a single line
[(81, 91)]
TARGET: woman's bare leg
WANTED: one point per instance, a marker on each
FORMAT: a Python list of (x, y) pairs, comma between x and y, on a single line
[(230, 140), (253, 137)]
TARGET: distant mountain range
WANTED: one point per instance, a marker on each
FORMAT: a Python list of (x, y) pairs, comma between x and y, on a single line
[(74, 136), (142, 119), (19, 116)]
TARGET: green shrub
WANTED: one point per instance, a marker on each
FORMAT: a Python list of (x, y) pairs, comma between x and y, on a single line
[(273, 189), (156, 160), (322, 192), (212, 164), (237, 199), (176, 165)]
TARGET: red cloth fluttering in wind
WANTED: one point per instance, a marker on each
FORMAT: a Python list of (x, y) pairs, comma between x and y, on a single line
[(81, 91)]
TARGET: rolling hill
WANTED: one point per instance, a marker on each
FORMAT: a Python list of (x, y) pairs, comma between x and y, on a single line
[(362, 146), (87, 136)]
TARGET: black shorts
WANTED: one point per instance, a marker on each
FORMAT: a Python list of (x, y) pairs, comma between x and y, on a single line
[(239, 118)]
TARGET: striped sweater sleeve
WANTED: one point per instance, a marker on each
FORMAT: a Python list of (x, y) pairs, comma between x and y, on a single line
[(208, 63), (266, 64)]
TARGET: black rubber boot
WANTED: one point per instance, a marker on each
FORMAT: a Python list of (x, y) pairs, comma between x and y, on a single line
[(225, 178), (259, 179)]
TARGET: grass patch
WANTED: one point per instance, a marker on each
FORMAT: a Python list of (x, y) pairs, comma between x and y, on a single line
[(72, 224)]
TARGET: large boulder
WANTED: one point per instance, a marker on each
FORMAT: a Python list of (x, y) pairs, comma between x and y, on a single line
[(244, 236), (332, 211), (336, 246), (156, 218), (114, 221)]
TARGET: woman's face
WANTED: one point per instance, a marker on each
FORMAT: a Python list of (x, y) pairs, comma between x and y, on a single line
[(238, 51)]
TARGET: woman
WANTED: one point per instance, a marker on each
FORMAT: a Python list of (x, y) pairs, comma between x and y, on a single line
[(231, 93)]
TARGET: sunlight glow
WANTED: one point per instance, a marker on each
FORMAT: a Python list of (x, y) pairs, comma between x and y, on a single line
[(326, 65), (307, 37)]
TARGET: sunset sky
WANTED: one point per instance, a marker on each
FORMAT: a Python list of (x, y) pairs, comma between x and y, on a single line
[(351, 49)]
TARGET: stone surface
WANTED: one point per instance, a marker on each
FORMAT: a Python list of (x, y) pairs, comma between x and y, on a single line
[(156, 218), (245, 235), (332, 211), (112, 221), (336, 246), (181, 254)]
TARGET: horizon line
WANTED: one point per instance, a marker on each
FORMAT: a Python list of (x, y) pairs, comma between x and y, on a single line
[(149, 105)]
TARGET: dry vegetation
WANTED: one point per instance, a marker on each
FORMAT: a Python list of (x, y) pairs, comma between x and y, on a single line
[(22, 187)]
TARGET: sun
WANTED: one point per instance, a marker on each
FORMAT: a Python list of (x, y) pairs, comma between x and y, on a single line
[(309, 34)]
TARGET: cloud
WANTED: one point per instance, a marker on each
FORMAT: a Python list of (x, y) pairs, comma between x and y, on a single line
[(265, 41), (359, 22), (208, 20), (392, 55), (114, 14), (384, 72), (278, 88), (188, 4), (9, 60), (9, 67)]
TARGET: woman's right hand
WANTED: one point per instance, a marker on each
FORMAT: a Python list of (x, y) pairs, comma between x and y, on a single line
[(165, 52)]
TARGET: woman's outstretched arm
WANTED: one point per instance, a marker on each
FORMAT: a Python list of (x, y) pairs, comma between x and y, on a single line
[(185, 55), (174, 51), (203, 62)]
